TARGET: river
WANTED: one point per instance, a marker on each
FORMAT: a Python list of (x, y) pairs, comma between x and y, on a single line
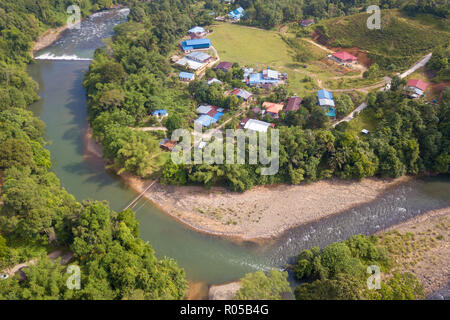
[(59, 70)]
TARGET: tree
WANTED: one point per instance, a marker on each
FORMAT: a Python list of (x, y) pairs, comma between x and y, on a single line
[(173, 122), (344, 105), (15, 153), (344, 287), (259, 286)]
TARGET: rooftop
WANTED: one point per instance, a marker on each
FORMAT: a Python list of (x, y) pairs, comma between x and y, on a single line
[(273, 107), (197, 30), (419, 84), (293, 104), (324, 94), (344, 56), (257, 125)]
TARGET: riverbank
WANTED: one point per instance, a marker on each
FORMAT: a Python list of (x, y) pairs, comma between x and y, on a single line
[(263, 213), (422, 246), (47, 39)]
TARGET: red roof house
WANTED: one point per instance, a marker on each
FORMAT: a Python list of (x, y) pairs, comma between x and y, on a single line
[(273, 108), (343, 56), (419, 84)]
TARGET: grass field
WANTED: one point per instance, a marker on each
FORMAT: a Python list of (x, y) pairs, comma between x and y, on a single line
[(400, 41), (262, 48), (250, 46), (365, 120)]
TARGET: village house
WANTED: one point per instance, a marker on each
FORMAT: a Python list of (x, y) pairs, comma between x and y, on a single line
[(242, 94), (326, 101), (236, 14), (196, 61), (293, 104), (273, 109), (214, 80), (197, 32), (224, 66), (162, 113), (267, 76), (257, 125), (307, 22), (186, 76), (195, 44), (167, 145), (208, 115), (415, 88), (344, 57)]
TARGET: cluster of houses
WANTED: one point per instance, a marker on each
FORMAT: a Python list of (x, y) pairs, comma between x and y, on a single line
[(272, 109), (194, 62), (208, 115), (266, 78)]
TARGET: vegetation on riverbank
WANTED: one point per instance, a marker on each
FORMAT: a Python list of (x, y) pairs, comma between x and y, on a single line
[(37, 215)]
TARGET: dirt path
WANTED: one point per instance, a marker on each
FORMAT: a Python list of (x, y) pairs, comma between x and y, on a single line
[(318, 45)]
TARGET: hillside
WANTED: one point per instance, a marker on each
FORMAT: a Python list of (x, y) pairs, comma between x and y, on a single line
[(400, 41)]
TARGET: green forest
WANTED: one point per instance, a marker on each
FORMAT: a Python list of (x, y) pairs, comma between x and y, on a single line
[(37, 216), (131, 77)]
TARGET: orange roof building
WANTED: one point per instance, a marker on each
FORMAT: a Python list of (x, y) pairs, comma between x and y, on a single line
[(273, 108)]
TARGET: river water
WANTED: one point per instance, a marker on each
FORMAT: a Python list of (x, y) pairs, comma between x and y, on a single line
[(59, 70)]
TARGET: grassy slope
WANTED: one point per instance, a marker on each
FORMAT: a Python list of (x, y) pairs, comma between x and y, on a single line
[(400, 37)]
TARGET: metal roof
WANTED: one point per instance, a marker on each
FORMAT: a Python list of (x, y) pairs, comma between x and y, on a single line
[(326, 103), (197, 30), (257, 125), (324, 94), (186, 75)]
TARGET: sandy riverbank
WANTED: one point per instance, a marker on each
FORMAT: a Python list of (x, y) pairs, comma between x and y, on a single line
[(259, 214), (426, 253), (263, 212), (47, 38)]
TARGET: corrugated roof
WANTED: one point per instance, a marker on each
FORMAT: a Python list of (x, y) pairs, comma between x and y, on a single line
[(205, 120), (273, 107), (189, 63), (417, 84), (224, 66), (344, 56), (326, 102), (324, 94), (257, 125), (199, 56), (186, 75), (204, 109), (197, 30), (293, 104)]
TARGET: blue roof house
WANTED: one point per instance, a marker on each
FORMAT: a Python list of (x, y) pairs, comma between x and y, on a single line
[(205, 120), (186, 76), (194, 44), (237, 14), (160, 113), (324, 94), (326, 101)]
